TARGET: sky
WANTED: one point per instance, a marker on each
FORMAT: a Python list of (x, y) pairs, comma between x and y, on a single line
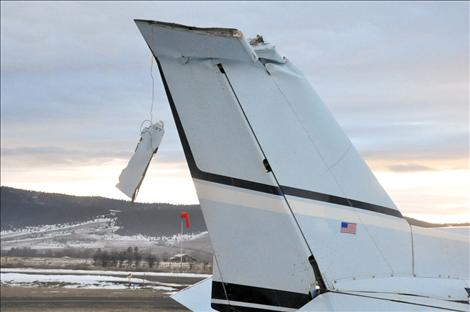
[(76, 85)]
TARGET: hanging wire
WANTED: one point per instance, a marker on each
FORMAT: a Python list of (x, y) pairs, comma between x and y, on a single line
[(153, 87), (152, 104)]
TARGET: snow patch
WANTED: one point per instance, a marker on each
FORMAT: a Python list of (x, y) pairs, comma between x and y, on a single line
[(101, 272), (80, 281), (97, 233)]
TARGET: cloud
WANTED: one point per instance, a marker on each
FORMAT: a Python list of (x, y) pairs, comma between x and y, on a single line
[(30, 157), (76, 85), (409, 167), (80, 71), (53, 156)]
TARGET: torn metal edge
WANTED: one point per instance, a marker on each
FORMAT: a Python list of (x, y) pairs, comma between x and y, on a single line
[(214, 31)]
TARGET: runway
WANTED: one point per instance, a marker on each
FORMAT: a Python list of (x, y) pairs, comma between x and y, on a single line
[(67, 300)]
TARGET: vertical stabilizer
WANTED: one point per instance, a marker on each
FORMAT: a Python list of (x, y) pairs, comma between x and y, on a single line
[(288, 201), (262, 260)]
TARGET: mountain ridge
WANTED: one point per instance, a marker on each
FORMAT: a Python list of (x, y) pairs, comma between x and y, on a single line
[(23, 208)]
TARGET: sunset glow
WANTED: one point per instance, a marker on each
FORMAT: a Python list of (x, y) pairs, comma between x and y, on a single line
[(394, 75)]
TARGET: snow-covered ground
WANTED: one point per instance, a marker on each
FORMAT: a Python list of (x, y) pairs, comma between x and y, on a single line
[(83, 279), (99, 272), (98, 233), (78, 281), (57, 227)]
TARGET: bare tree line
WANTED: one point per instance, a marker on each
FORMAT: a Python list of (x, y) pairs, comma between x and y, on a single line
[(131, 257)]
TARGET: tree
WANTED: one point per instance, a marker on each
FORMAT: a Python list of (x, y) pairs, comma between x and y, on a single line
[(105, 258), (97, 256), (137, 256), (151, 259), (129, 256), (114, 258), (122, 257)]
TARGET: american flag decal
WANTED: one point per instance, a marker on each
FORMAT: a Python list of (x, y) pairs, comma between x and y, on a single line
[(347, 227)]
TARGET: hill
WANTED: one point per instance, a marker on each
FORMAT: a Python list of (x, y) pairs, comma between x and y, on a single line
[(22, 208)]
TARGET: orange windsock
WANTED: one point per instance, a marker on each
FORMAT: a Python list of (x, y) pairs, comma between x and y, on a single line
[(184, 215)]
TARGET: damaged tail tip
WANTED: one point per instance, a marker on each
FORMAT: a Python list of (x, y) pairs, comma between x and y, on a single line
[(139, 20), (256, 40)]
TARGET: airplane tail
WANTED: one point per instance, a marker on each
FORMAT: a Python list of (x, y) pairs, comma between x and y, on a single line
[(291, 208), (226, 164)]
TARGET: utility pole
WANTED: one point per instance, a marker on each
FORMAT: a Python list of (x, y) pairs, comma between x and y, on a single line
[(181, 247)]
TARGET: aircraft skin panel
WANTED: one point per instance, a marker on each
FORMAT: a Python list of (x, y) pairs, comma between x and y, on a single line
[(442, 288), (295, 130), (355, 301), (337, 212), (380, 246), (434, 247), (325, 219), (298, 160), (219, 138), (455, 230), (280, 134), (352, 174), (307, 107), (225, 305), (241, 242), (357, 181)]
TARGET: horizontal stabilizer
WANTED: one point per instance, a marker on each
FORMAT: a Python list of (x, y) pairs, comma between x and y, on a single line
[(196, 297), (364, 301)]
